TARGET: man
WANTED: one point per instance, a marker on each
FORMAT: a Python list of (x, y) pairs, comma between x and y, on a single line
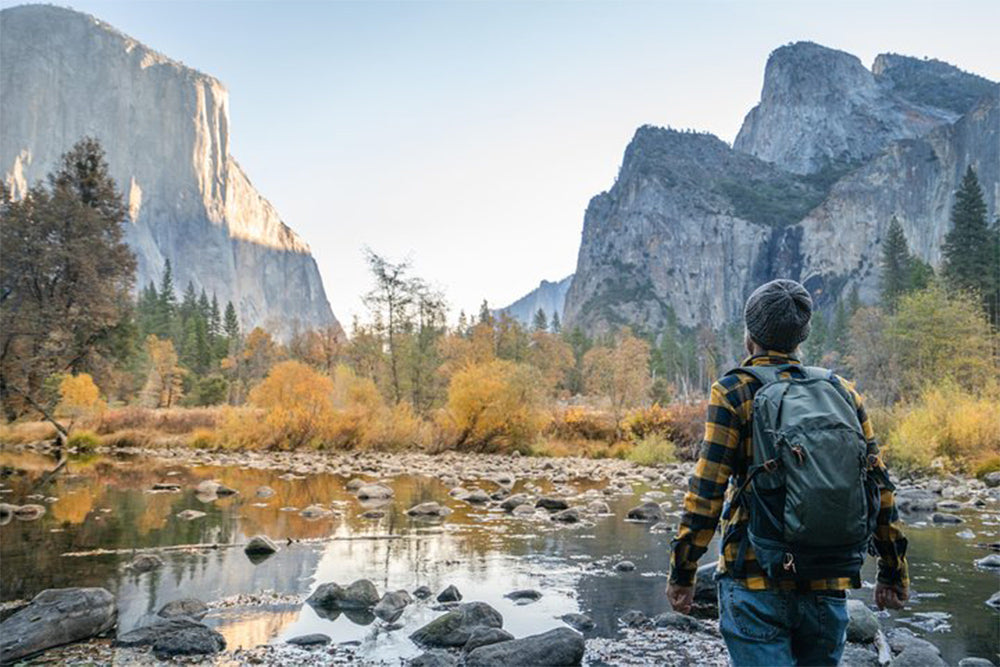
[(787, 619)]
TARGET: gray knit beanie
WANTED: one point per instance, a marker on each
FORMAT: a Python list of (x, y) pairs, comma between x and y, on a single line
[(777, 315)]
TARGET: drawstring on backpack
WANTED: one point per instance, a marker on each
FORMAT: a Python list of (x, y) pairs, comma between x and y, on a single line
[(789, 563)]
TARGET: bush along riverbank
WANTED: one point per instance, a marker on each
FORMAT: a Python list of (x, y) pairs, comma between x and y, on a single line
[(444, 619)]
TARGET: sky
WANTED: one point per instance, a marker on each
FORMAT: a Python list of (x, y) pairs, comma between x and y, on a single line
[(468, 137)]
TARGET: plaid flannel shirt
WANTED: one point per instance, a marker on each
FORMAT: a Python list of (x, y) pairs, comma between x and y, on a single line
[(725, 452)]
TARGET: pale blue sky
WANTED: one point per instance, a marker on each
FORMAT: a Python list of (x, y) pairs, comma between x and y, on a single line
[(471, 135)]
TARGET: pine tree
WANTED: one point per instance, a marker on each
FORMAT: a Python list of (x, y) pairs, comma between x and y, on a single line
[(204, 308), (839, 334), (485, 316), (969, 261), (189, 303), (167, 306), (541, 322), (895, 266), (214, 318), (232, 324), (816, 344), (556, 324)]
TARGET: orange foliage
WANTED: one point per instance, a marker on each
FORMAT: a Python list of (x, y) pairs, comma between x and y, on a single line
[(297, 403), (79, 397)]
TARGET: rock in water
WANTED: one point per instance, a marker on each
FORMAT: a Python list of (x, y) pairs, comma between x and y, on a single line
[(190, 515), (858, 656), (455, 627), (671, 619), (391, 606), (361, 594), (705, 587), (943, 517), (990, 562), (429, 509), (309, 641), (165, 131), (484, 636), (201, 640), (513, 501), (191, 607), (450, 594), (646, 512), (422, 592), (374, 492), (862, 624), (55, 617), (434, 659), (145, 563), (571, 515), (260, 547), (552, 504), (918, 656), (560, 646), (524, 596)]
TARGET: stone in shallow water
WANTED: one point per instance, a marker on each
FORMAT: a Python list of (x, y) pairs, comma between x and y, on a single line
[(429, 509), (450, 594), (994, 600), (56, 617), (624, 566), (942, 517), (360, 594), (201, 640), (975, 662), (580, 622), (265, 492), (901, 639), (374, 492), (524, 596), (392, 605), (650, 512), (434, 659), (192, 607), (858, 656), (862, 624), (190, 515), (560, 646), (918, 656), (311, 640), (992, 561), (260, 545), (672, 619), (29, 512), (484, 636), (571, 515), (635, 619), (422, 592), (513, 501), (454, 628), (552, 504), (145, 563)]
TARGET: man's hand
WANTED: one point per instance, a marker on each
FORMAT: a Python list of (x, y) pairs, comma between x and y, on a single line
[(680, 598), (890, 597)]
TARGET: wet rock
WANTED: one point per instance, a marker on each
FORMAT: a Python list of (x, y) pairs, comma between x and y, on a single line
[(671, 619), (975, 662), (991, 562), (311, 640), (265, 492), (966, 535), (372, 514), (862, 624), (201, 640), (635, 619), (455, 627), (55, 617), (6, 513), (211, 487), (916, 500), (994, 600), (429, 509), (355, 484), (259, 548), (450, 594), (477, 497), (374, 492), (434, 659), (190, 515), (391, 606), (992, 480), (942, 517), (484, 636), (650, 512), (560, 646), (331, 596), (191, 607), (148, 634), (624, 566), (705, 587), (580, 622), (525, 509), (29, 512), (918, 656), (315, 512), (949, 505), (901, 639), (571, 515), (422, 592), (598, 507), (145, 563), (166, 486), (552, 504), (858, 656), (223, 490), (525, 596), (513, 501)]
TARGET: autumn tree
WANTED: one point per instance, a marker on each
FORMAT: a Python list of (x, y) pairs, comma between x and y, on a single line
[(165, 381), (553, 357), (65, 277), (79, 396), (297, 403), (619, 373)]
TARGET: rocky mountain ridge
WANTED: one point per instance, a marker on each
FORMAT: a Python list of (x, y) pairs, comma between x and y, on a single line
[(548, 296), (165, 130), (832, 152)]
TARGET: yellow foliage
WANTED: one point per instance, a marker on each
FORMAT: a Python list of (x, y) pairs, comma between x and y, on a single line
[(297, 403), (84, 441), (945, 421), (652, 449), (493, 406), (579, 422), (79, 397), (164, 382)]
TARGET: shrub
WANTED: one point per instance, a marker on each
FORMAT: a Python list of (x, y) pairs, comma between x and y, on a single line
[(84, 441), (683, 424), (128, 438), (581, 423), (987, 465), (210, 390), (25, 432), (297, 403), (652, 449), (203, 438), (79, 396)]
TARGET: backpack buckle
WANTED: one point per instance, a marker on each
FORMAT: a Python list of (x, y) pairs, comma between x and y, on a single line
[(771, 465), (789, 563), (799, 453)]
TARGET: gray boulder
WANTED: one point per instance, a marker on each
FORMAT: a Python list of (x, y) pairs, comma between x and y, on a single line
[(434, 659), (705, 587), (918, 656), (580, 622), (992, 480), (571, 515), (55, 617), (260, 545), (975, 662), (557, 647), (374, 492), (477, 497), (455, 627), (148, 634), (311, 640), (513, 501), (635, 619), (391, 606), (145, 563), (671, 619), (650, 512), (429, 509), (901, 639), (201, 640), (191, 607), (943, 517), (858, 656), (624, 566), (862, 624), (484, 636), (990, 562), (422, 592), (331, 596), (916, 500), (524, 596), (265, 492), (450, 594), (994, 600), (552, 504)]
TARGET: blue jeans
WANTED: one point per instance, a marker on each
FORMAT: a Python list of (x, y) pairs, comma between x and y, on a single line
[(777, 628)]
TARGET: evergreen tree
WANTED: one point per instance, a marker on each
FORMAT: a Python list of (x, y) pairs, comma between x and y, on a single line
[(556, 324), (232, 324), (167, 306), (189, 303), (485, 316), (204, 308), (214, 318), (541, 322), (839, 334), (896, 265), (816, 345), (970, 255)]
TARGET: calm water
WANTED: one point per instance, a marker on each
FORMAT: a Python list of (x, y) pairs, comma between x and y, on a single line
[(104, 503)]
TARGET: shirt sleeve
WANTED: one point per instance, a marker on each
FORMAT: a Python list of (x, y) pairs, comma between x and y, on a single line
[(889, 542), (706, 489)]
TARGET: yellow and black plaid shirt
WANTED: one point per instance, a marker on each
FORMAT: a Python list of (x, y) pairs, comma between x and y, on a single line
[(725, 453)]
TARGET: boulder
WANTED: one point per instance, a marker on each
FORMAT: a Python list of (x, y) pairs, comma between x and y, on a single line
[(858, 656), (560, 646), (650, 512), (990, 562), (455, 627), (374, 492), (191, 607), (624, 566), (484, 636), (361, 594), (434, 659), (524, 596), (598, 507), (315, 512), (992, 479), (994, 600), (6, 513), (429, 509), (477, 497), (571, 515), (551, 504), (265, 492), (524, 509), (635, 619), (166, 486), (355, 484), (450, 594), (148, 634), (580, 622), (54, 617), (862, 624), (145, 563), (916, 500), (29, 512), (311, 640), (422, 592), (259, 548), (918, 656), (671, 619), (942, 517), (190, 515), (513, 501), (391, 606), (705, 586), (901, 639), (975, 662), (201, 640)]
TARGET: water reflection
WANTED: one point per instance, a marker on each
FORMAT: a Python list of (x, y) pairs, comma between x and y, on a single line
[(101, 503)]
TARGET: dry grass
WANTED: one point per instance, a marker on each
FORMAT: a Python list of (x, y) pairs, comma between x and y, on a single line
[(21, 433), (173, 421)]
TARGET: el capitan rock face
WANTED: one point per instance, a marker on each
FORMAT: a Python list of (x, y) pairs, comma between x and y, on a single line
[(165, 130), (820, 167)]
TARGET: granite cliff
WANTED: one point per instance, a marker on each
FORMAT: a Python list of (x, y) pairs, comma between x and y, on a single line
[(832, 152), (548, 296), (165, 129)]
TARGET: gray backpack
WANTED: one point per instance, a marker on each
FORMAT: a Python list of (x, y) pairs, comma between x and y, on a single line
[(811, 490)]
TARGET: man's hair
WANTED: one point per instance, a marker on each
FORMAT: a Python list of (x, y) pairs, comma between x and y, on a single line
[(777, 315)]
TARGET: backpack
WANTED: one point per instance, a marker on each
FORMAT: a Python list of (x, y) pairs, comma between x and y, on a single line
[(812, 490)]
